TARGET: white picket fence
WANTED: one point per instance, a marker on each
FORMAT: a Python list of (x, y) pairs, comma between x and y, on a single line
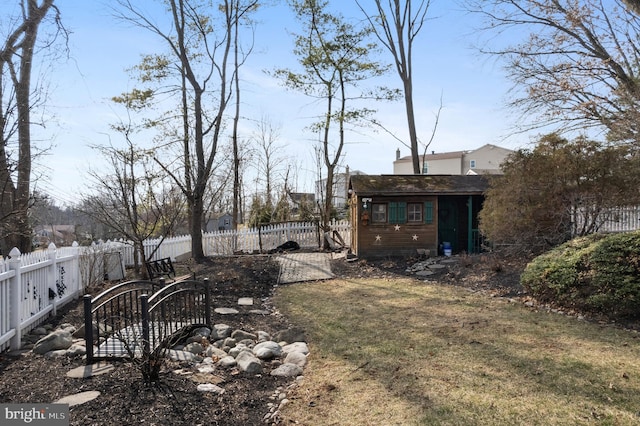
[(225, 243), (33, 286)]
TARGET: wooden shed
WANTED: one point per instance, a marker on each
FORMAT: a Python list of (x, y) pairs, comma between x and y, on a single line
[(401, 215)]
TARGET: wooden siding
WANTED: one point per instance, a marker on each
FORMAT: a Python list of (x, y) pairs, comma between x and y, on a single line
[(390, 239)]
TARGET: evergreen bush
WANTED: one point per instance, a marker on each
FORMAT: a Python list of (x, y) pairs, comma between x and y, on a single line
[(597, 274)]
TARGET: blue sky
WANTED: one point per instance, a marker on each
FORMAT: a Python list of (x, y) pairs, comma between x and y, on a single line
[(472, 88)]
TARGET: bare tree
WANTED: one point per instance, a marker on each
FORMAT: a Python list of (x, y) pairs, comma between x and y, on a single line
[(269, 158), (397, 24), (240, 13), (130, 199), (576, 66), (18, 98), (200, 65)]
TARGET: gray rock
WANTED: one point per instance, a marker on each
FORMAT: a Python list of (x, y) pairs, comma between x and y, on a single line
[(287, 370), (194, 348), (263, 336), (297, 358), (68, 327), (104, 330), (76, 350), (249, 343), (242, 335), (174, 355), (212, 351), (235, 351), (229, 341), (59, 339), (55, 354), (210, 387), (290, 335), (225, 311), (267, 350), (227, 361), (78, 398), (40, 331), (248, 363), (220, 331), (296, 347)]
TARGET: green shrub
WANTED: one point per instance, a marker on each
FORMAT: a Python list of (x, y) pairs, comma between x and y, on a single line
[(598, 274)]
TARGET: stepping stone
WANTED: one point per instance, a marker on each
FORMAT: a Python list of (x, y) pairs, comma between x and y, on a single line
[(225, 311), (424, 273), (436, 266), (259, 312), (78, 398), (245, 301), (85, 371)]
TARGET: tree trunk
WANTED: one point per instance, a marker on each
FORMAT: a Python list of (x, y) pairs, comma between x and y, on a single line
[(411, 121), (197, 252)]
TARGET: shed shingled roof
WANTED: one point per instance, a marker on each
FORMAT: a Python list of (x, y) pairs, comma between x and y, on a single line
[(364, 185)]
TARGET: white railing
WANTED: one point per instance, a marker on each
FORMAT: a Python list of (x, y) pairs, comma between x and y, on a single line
[(33, 286)]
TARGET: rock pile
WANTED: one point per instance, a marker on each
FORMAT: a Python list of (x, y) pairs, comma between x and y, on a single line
[(201, 355), (222, 346), (430, 266)]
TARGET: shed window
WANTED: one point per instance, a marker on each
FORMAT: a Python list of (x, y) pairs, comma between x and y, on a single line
[(472, 164), (379, 213), (414, 212)]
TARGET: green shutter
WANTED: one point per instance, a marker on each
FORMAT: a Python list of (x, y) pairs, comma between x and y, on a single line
[(428, 212), (398, 212), (402, 212), (393, 212)]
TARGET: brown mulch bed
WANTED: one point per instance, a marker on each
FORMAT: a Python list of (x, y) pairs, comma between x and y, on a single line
[(125, 399)]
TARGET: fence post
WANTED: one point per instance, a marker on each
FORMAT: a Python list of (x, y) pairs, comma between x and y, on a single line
[(52, 277), (16, 306), (88, 327), (146, 343), (207, 301), (77, 277)]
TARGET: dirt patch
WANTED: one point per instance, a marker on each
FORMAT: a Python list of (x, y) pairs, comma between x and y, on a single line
[(124, 398)]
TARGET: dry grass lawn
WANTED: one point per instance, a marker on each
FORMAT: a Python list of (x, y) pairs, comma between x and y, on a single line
[(402, 352)]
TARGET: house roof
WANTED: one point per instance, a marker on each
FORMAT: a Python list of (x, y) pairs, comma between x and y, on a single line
[(439, 156), (365, 185)]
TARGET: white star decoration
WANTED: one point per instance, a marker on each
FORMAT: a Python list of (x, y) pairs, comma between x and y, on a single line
[(397, 227), (378, 237), (415, 237)]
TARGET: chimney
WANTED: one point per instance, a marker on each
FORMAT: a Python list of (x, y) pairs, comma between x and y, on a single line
[(433, 153), (397, 154)]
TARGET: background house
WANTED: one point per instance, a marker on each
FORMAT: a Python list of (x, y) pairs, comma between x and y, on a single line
[(60, 235), (485, 160), (219, 223), (340, 189), (394, 215)]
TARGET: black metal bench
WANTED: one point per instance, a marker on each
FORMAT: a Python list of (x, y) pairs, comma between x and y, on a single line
[(164, 268)]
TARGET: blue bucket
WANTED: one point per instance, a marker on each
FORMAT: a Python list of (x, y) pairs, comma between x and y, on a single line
[(446, 246)]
